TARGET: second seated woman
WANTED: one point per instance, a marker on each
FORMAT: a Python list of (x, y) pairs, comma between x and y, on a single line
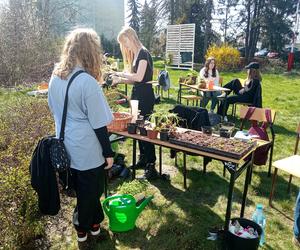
[(249, 93), (138, 62), (209, 72)]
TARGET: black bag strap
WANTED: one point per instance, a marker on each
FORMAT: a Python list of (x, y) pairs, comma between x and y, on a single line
[(64, 116)]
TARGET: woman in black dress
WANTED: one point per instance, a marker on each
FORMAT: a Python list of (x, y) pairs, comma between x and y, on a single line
[(138, 70)]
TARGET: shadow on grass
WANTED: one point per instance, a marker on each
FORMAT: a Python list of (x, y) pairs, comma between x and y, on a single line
[(173, 232), (264, 186), (206, 188)]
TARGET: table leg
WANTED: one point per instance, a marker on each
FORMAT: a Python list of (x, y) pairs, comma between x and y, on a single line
[(184, 170), (229, 200), (273, 187), (133, 158), (246, 188), (160, 159)]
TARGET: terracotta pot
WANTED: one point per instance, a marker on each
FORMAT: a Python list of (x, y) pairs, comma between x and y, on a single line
[(152, 134)]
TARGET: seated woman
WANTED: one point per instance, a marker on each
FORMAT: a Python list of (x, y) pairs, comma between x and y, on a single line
[(249, 93), (207, 73)]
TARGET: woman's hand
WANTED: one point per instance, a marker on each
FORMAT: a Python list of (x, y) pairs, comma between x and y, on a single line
[(116, 80), (109, 162)]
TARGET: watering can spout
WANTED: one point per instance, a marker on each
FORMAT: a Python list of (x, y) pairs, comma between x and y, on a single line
[(141, 207)]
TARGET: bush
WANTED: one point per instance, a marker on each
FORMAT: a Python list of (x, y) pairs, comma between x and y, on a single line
[(22, 125), (227, 57)]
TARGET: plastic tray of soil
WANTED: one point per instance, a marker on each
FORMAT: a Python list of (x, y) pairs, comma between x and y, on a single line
[(228, 147)]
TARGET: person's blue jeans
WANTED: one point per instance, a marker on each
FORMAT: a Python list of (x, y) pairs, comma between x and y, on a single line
[(297, 217), (214, 99)]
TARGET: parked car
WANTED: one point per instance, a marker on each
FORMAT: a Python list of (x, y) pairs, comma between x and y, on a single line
[(262, 53), (273, 54)]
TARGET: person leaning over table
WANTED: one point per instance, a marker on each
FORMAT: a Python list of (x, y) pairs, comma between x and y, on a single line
[(86, 136), (207, 73), (249, 93), (138, 62)]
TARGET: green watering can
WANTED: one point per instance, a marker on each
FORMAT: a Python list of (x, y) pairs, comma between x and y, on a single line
[(122, 211)]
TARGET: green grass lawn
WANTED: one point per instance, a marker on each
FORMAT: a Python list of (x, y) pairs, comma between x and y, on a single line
[(180, 219)]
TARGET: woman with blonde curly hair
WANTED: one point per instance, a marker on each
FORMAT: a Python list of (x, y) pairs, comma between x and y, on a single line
[(86, 137), (138, 71)]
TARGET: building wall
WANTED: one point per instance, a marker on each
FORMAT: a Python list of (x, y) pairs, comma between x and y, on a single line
[(105, 16)]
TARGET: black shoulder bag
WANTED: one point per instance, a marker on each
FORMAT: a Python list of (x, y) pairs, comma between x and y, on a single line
[(58, 154)]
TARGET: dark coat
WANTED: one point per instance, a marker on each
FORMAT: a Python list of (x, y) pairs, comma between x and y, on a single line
[(192, 117), (43, 178)]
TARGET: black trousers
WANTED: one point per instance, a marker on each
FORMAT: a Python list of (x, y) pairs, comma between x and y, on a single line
[(235, 86), (145, 95), (147, 150), (89, 186)]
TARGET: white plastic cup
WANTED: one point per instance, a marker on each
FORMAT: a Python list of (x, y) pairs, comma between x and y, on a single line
[(134, 104)]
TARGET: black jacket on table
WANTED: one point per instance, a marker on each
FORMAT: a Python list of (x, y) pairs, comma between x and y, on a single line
[(43, 178)]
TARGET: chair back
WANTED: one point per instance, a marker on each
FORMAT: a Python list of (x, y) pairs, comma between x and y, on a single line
[(258, 115), (297, 139)]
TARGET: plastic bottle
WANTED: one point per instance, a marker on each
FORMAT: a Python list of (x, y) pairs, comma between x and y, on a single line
[(259, 217)]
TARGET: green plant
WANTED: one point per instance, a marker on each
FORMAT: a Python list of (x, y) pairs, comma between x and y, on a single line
[(164, 120)]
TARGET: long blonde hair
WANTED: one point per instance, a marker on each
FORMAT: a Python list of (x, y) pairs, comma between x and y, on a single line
[(128, 53), (254, 74), (81, 45)]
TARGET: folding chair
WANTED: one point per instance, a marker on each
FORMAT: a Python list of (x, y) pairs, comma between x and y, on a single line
[(289, 164), (259, 115)]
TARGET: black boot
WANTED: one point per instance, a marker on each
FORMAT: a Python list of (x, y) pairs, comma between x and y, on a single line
[(141, 164), (150, 171)]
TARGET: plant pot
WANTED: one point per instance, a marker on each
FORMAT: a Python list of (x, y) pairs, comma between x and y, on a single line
[(143, 130), (152, 134), (131, 128), (207, 130), (140, 122), (164, 134), (225, 133)]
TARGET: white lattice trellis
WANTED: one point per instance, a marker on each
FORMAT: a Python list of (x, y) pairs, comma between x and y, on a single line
[(180, 45)]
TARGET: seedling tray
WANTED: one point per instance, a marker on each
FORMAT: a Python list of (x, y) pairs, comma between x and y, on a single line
[(228, 147)]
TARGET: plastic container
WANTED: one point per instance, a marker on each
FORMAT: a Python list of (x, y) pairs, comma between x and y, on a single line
[(211, 85), (131, 128), (259, 217), (235, 242), (164, 134), (206, 130)]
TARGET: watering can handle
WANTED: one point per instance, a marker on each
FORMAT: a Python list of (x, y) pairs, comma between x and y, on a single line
[(108, 199)]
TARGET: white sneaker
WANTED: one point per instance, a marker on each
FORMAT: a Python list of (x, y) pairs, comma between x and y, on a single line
[(222, 95), (225, 119)]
